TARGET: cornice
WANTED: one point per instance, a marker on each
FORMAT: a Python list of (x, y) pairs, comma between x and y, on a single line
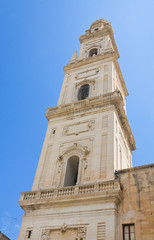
[(138, 168), (93, 104), (95, 59), (106, 191), (90, 60), (121, 77)]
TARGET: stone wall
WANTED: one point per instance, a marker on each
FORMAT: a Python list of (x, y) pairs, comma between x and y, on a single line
[(137, 206)]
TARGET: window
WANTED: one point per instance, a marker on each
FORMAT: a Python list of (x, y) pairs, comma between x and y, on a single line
[(29, 234), (96, 29), (129, 232), (93, 52), (71, 175), (83, 92)]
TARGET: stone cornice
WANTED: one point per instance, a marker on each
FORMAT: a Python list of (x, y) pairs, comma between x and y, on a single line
[(135, 169), (95, 59), (106, 191), (95, 104), (90, 60), (121, 77)]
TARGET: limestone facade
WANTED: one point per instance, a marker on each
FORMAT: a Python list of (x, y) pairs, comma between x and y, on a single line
[(137, 205), (76, 193)]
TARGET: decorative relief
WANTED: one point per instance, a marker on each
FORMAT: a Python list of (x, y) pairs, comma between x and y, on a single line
[(45, 234), (64, 227), (85, 150), (77, 128), (81, 233), (65, 232), (86, 74), (60, 162), (76, 149), (85, 81)]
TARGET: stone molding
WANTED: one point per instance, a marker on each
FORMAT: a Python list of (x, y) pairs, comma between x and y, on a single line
[(81, 231), (97, 103), (106, 190), (95, 59), (77, 150)]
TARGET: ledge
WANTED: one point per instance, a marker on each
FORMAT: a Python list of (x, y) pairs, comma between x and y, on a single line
[(107, 190), (102, 56), (95, 58), (95, 103), (138, 168)]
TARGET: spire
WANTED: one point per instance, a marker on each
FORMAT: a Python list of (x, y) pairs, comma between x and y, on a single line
[(74, 57)]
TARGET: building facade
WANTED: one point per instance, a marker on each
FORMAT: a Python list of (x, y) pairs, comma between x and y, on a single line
[(79, 187)]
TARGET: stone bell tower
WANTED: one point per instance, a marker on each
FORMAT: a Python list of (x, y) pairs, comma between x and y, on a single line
[(75, 194)]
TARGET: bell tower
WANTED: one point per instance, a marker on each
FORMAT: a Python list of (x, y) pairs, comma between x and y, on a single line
[(75, 194)]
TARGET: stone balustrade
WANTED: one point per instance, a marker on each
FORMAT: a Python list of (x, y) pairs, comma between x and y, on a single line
[(71, 191)]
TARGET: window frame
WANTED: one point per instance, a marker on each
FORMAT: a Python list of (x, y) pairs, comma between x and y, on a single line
[(129, 231)]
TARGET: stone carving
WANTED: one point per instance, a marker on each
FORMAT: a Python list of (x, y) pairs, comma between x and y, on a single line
[(45, 234), (60, 158), (65, 130), (60, 163), (85, 164), (64, 227), (78, 128), (86, 151), (60, 167), (81, 234), (87, 73)]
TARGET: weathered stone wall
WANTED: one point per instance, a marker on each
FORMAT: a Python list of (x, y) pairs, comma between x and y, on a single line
[(137, 205)]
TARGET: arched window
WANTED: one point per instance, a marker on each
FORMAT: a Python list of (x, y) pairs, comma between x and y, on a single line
[(93, 52), (83, 92), (71, 175)]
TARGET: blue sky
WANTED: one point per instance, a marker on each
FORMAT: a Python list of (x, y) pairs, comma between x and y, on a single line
[(38, 38)]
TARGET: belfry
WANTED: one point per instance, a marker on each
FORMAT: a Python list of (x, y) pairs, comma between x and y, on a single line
[(77, 192)]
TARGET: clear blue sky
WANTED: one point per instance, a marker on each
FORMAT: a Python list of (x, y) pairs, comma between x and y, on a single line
[(37, 38)]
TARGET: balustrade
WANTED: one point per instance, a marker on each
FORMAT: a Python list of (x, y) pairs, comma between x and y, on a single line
[(71, 191)]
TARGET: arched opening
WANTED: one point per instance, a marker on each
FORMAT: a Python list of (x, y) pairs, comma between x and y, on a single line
[(83, 92), (93, 52), (72, 168)]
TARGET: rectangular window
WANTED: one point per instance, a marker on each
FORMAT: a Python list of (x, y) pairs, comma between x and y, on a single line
[(28, 234), (129, 232)]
